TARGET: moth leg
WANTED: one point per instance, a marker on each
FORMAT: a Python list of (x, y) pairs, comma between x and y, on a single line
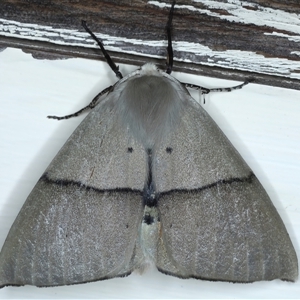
[(206, 90), (106, 55), (169, 62), (90, 106)]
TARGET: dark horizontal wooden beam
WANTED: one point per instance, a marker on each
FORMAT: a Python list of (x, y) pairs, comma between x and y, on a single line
[(235, 40)]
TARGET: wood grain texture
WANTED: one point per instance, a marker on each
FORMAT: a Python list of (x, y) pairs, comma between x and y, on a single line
[(230, 39)]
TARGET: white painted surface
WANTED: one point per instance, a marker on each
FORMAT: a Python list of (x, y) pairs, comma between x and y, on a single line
[(262, 122)]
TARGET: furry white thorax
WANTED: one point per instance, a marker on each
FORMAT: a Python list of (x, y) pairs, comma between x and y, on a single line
[(150, 102)]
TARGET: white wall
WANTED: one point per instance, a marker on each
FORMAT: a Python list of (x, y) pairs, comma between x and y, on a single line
[(262, 122)]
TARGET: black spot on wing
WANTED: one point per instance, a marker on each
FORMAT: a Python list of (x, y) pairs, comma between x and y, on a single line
[(169, 150)]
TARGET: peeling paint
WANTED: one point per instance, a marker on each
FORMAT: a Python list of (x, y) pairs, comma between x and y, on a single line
[(183, 51), (296, 53), (293, 38), (245, 12)]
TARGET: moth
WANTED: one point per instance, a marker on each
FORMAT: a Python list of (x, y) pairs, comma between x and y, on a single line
[(147, 177)]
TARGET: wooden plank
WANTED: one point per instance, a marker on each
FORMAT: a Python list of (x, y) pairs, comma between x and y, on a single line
[(233, 39)]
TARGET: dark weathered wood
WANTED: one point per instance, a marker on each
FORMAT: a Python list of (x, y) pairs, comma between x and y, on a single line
[(226, 43)]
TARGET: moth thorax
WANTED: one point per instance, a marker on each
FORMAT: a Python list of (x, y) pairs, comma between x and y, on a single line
[(151, 107)]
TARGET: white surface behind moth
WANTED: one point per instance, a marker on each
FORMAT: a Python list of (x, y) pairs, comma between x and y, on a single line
[(252, 132)]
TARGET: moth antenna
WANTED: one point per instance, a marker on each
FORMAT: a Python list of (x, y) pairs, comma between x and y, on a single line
[(169, 62), (112, 65)]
